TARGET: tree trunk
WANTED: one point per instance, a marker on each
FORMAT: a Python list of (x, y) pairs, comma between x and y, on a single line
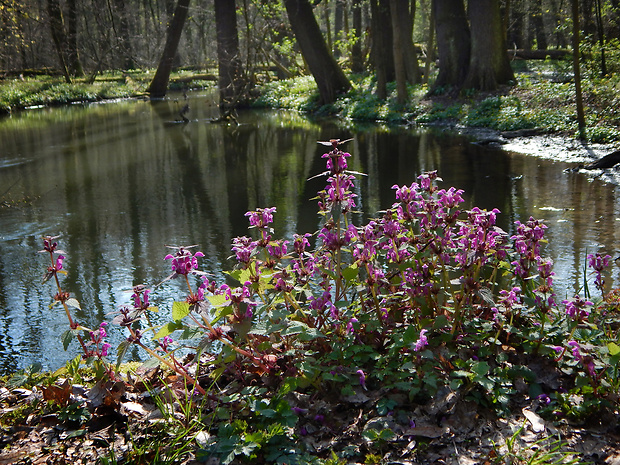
[(357, 59), (230, 72), (74, 63), (329, 77), (489, 65), (453, 42), (537, 25), (159, 84), (405, 16), (59, 36), (382, 45), (581, 119), (338, 25), (398, 51), (123, 38)]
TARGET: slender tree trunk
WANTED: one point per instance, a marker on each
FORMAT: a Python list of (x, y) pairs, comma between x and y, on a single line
[(329, 77), (453, 43), (123, 38), (357, 59), (398, 51), (230, 77), (581, 119), (59, 36), (338, 25), (601, 37), (430, 46), (159, 84), (489, 65)]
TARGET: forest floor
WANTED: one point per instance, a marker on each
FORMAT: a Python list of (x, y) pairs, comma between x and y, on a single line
[(449, 430)]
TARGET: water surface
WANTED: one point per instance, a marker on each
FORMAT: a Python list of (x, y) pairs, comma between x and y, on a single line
[(120, 181)]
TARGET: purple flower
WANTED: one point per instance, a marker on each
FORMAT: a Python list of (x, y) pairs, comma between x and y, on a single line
[(575, 308), (183, 261), (261, 217), (575, 349), (422, 341), (244, 248), (300, 242), (59, 260), (277, 249), (362, 376), (598, 263)]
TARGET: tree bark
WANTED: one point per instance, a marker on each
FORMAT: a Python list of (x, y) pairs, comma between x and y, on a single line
[(398, 36), (453, 43), (489, 65), (329, 77), (357, 59), (159, 84), (59, 36), (230, 72), (382, 45), (74, 62)]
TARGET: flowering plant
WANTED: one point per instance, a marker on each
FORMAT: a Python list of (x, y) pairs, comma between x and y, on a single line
[(428, 295)]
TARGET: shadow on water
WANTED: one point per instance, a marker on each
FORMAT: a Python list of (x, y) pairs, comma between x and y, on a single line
[(121, 181)]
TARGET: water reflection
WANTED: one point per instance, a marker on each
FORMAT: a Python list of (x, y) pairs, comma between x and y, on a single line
[(120, 181)]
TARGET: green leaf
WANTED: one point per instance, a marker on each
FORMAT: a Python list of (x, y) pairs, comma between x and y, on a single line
[(66, 338), (179, 310), (218, 300), (241, 275), (121, 350), (613, 348), (350, 273), (73, 303), (480, 368), (168, 328)]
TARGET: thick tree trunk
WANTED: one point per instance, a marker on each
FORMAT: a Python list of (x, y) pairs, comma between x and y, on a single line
[(230, 77), (489, 65), (404, 13), (159, 84), (382, 45), (329, 77), (59, 36), (453, 43)]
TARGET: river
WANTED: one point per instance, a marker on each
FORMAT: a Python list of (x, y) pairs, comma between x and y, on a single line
[(119, 181)]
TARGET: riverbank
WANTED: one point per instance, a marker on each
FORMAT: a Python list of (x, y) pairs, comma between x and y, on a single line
[(468, 400)]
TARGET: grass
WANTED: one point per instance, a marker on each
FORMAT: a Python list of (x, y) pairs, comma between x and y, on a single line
[(20, 93)]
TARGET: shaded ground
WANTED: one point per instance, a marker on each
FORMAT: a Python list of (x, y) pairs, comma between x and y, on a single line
[(447, 430)]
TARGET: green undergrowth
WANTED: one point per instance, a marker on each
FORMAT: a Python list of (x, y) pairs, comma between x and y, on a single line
[(542, 98), (25, 92)]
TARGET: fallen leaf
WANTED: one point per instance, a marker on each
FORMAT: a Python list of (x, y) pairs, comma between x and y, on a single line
[(538, 424)]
